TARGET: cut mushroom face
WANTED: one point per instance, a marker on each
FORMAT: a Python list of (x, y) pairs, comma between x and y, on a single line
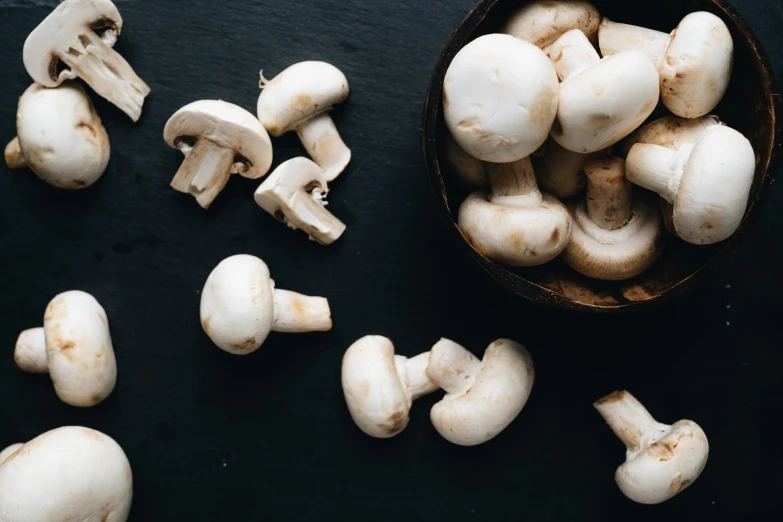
[(380, 387), (240, 307), (670, 131), (515, 224), (544, 21), (695, 62), (294, 194), (80, 35), (661, 460), (298, 99), (601, 101), (708, 183), (10, 450), (60, 137), (614, 238), (482, 397), (218, 139), (74, 347), (67, 474), (469, 170), (500, 98)]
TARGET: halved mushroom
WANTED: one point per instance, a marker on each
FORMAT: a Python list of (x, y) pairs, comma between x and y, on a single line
[(80, 34), (298, 99), (695, 62), (74, 347), (515, 224), (670, 131), (67, 474), (240, 306), (544, 21), (614, 238), (294, 194), (60, 137), (661, 460), (601, 100), (482, 397), (218, 139)]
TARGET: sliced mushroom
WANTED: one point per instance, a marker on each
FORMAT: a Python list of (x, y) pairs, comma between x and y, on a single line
[(81, 34), (294, 194), (670, 131), (218, 139), (544, 21)]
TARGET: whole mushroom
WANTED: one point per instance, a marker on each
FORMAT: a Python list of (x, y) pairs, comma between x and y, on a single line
[(661, 460), (60, 137), (469, 170), (10, 450), (670, 131), (544, 21), (67, 474), (560, 172), (240, 306), (74, 347)]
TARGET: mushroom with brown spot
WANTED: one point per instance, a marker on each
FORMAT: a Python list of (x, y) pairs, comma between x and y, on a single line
[(544, 21), (670, 131)]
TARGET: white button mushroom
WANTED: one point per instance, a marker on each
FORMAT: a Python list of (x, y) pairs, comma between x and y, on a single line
[(68, 474), (70, 34), (560, 172), (469, 170), (380, 387), (613, 238), (299, 99), (515, 224), (601, 101), (60, 137), (74, 347), (218, 139), (482, 397), (708, 183), (670, 131), (544, 21), (240, 307), (695, 61), (661, 460), (10, 450), (294, 194), (500, 98)]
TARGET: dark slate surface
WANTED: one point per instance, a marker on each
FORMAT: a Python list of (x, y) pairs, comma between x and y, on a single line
[(214, 437)]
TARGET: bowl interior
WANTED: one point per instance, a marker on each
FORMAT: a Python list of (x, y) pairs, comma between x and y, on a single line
[(750, 106)]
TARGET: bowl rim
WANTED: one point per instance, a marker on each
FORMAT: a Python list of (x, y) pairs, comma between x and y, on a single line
[(534, 292)]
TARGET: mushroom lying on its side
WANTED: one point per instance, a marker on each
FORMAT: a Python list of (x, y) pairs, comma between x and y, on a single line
[(68, 474), (661, 460), (544, 21)]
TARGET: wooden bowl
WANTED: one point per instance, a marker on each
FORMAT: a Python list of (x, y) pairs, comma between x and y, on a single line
[(751, 106)]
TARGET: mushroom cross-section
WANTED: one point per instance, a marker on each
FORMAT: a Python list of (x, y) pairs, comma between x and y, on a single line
[(294, 194), (298, 99), (68, 474), (670, 131), (80, 34), (218, 139), (380, 387), (695, 62), (661, 460), (74, 347), (544, 21), (240, 306)]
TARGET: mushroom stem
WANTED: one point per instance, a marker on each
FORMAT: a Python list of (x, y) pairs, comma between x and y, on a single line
[(13, 155), (615, 38), (205, 171), (657, 168), (419, 382), (629, 419), (609, 194), (324, 144), (452, 367), (30, 352), (297, 313), (572, 53), (514, 183)]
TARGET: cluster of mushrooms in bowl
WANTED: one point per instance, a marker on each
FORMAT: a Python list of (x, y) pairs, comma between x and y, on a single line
[(593, 164)]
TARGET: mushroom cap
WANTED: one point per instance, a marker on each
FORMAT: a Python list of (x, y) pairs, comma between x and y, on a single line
[(238, 304), (61, 136), (469, 170), (670, 131), (696, 68), (227, 125), (515, 236), (544, 21), (500, 98), (715, 186), (302, 91), (57, 32), (79, 349), (664, 468), (67, 474), (605, 103), (616, 255), (372, 381), (492, 402), (10, 450)]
